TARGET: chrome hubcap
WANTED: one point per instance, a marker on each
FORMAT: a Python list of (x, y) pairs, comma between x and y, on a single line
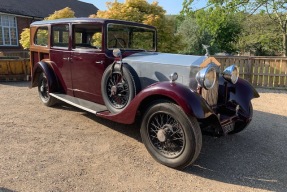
[(118, 90), (166, 134), (114, 90), (42, 88), (161, 135)]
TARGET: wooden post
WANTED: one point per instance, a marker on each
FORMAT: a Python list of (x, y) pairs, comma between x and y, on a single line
[(249, 70)]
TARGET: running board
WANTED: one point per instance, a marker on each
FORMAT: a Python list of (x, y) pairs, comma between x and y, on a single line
[(80, 103)]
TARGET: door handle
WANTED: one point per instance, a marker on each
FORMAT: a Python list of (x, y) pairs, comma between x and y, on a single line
[(99, 62), (67, 58)]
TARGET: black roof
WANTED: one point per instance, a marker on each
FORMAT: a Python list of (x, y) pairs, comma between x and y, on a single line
[(44, 8), (70, 20), (88, 20)]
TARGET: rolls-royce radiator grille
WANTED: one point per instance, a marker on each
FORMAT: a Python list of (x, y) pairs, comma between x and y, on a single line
[(211, 95)]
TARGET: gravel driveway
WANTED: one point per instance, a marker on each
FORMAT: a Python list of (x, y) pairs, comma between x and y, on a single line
[(66, 149)]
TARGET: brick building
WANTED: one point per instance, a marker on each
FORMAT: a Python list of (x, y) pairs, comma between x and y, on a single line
[(15, 15)]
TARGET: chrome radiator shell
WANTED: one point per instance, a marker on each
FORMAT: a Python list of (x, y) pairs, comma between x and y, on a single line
[(211, 95)]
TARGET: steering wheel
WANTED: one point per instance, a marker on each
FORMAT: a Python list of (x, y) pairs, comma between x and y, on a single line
[(117, 43)]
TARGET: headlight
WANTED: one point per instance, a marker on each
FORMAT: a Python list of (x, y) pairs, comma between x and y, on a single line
[(206, 77), (231, 74)]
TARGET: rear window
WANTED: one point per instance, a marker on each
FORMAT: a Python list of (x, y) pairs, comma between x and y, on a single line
[(60, 36), (41, 37)]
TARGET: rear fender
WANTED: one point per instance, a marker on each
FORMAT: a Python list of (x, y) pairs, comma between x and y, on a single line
[(45, 67), (191, 102), (242, 92)]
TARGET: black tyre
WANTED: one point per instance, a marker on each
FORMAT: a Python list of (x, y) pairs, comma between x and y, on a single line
[(172, 138), (240, 126), (44, 90), (117, 89)]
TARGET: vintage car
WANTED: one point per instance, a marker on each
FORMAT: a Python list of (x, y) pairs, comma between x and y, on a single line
[(111, 68)]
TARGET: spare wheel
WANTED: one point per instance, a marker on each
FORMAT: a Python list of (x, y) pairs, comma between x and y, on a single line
[(118, 88)]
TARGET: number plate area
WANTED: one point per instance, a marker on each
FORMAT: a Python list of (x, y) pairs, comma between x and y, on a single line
[(228, 127)]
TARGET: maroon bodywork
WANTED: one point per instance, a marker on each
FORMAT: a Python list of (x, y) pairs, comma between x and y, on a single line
[(78, 73), (191, 102)]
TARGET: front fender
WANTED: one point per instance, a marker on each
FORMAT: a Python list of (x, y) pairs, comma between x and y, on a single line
[(191, 102), (47, 69), (242, 92)]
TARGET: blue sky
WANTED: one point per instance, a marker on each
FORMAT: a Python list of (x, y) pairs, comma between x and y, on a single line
[(171, 6)]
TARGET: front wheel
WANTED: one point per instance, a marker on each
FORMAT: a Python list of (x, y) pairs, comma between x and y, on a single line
[(240, 126), (172, 138), (44, 90)]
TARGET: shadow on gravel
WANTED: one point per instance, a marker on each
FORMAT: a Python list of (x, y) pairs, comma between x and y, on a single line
[(256, 157), (2, 189), (64, 106), (16, 84), (132, 131)]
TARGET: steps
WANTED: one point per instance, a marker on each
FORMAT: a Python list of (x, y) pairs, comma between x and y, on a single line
[(80, 103)]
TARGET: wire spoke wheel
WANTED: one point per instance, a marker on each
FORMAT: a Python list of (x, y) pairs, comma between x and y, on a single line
[(44, 91), (166, 134), (44, 88), (118, 90), (170, 136)]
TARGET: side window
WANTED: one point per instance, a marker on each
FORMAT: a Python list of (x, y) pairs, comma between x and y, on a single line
[(87, 36), (60, 36), (142, 39), (41, 37)]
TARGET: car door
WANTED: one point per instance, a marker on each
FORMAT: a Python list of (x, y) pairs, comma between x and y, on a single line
[(60, 54), (87, 62)]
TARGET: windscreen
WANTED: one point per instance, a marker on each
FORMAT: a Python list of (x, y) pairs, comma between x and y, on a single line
[(131, 37)]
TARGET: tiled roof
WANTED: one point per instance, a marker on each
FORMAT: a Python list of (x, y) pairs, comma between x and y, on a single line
[(43, 8)]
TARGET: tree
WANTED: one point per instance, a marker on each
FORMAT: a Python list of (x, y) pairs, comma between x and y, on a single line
[(274, 9), (186, 10), (25, 38), (143, 12), (223, 26), (260, 35), (193, 37), (63, 13)]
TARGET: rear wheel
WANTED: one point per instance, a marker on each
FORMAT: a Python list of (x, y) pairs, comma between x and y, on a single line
[(171, 137), (44, 90)]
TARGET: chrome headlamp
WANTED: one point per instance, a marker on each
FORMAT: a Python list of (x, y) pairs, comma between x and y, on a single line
[(206, 77), (231, 74)]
